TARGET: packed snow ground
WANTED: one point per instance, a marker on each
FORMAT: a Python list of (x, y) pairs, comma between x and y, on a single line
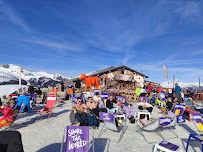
[(46, 136)]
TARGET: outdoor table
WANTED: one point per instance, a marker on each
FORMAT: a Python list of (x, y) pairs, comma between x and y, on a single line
[(188, 112), (144, 112), (196, 137), (166, 146), (120, 116)]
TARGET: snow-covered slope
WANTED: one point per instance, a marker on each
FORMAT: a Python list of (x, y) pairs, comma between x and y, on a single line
[(8, 89), (169, 84), (9, 75)]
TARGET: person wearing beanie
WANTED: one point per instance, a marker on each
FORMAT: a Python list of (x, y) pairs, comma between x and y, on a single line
[(8, 112)]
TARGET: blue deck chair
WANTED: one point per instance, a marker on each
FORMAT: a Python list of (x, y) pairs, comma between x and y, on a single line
[(24, 100)]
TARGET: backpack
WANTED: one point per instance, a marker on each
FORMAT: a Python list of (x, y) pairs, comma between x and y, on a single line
[(132, 120), (92, 121)]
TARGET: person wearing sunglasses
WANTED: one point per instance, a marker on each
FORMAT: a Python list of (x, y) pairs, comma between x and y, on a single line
[(80, 111)]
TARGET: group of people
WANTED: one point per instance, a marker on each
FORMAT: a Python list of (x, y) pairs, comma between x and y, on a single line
[(95, 105)]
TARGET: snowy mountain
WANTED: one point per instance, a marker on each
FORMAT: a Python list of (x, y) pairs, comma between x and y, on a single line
[(184, 85), (9, 75)]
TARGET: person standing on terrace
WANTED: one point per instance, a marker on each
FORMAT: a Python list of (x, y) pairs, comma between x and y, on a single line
[(177, 92)]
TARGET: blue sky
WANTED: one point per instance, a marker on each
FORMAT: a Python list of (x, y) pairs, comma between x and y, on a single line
[(70, 37)]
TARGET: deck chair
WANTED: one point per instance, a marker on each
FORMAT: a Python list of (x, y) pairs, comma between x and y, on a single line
[(162, 95), (110, 124), (82, 134), (163, 102), (197, 117), (154, 95), (75, 99), (9, 124), (33, 96), (119, 98), (178, 110), (104, 97), (97, 90), (168, 123), (147, 99), (143, 125), (25, 100), (52, 95), (186, 98), (48, 109)]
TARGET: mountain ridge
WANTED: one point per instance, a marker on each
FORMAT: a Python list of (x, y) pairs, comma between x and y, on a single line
[(9, 75)]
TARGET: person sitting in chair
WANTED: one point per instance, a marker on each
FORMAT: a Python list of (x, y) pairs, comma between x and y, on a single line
[(8, 112), (145, 105), (93, 107), (169, 104), (130, 111), (109, 105), (80, 111), (70, 92), (12, 102), (98, 100), (197, 107)]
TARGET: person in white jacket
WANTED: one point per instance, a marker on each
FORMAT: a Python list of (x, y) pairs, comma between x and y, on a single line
[(145, 105)]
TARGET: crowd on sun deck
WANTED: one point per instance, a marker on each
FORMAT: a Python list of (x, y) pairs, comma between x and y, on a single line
[(88, 106), (95, 103)]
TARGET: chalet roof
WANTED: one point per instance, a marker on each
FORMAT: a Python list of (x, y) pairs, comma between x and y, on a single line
[(106, 70)]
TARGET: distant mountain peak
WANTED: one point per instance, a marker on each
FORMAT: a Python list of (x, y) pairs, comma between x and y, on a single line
[(169, 84), (9, 75)]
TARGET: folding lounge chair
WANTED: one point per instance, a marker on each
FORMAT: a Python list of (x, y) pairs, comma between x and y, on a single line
[(48, 109), (197, 117), (119, 98), (162, 95), (9, 124), (84, 139), (104, 97), (147, 99), (163, 102), (168, 123), (25, 100), (75, 99), (197, 135), (149, 126), (178, 110), (97, 90), (52, 95), (110, 124)]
